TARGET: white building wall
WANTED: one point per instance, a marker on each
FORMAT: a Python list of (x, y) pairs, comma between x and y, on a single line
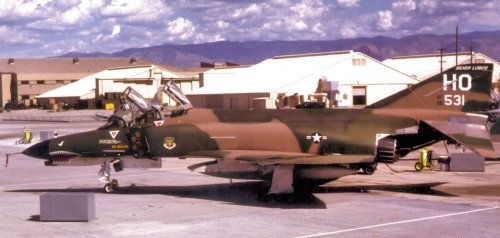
[(380, 81), (219, 77), (300, 74)]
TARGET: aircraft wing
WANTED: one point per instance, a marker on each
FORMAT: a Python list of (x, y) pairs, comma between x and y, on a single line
[(470, 131), (281, 157)]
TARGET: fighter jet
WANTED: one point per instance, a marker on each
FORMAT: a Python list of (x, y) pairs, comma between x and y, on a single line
[(291, 149)]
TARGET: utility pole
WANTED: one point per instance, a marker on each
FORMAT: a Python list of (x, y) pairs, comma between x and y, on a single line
[(441, 57), (471, 53), (456, 46)]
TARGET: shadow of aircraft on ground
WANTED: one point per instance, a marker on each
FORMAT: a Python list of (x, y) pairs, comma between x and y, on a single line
[(249, 193)]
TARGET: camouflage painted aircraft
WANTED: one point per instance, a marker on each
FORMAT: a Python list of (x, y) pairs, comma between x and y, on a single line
[(291, 149)]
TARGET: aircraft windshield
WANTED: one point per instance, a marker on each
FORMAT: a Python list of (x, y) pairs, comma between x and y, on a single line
[(174, 92), (137, 110), (137, 99)]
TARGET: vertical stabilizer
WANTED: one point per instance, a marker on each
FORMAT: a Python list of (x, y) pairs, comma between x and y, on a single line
[(464, 88)]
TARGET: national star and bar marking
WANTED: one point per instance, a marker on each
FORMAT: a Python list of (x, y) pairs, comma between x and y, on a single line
[(316, 137)]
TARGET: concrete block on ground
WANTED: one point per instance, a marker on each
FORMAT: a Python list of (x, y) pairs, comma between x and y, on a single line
[(45, 135), (466, 162), (56, 206)]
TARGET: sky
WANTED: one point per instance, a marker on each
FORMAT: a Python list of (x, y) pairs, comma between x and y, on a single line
[(42, 28)]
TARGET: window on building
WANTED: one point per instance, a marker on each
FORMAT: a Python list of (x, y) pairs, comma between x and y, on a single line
[(25, 82), (358, 61), (479, 61), (359, 95), (25, 97), (40, 82), (59, 81)]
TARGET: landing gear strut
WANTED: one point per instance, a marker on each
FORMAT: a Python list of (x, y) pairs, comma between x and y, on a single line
[(105, 173)]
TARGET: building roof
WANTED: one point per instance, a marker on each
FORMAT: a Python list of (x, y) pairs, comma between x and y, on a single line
[(282, 73), (85, 87), (65, 65), (427, 65), (62, 68), (186, 72)]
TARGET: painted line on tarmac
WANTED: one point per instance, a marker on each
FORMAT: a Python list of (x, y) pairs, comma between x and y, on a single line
[(398, 222), (72, 179)]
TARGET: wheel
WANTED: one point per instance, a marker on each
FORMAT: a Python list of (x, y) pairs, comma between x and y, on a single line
[(370, 169), (108, 188), (114, 184), (419, 166), (111, 186)]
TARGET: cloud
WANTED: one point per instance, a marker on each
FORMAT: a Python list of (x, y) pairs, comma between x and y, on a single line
[(428, 6), (348, 32), (203, 38), (119, 8), (180, 29), (300, 26), (222, 24), (23, 9), (319, 29), (348, 3), (136, 11), (43, 27), (309, 8), (252, 10), (384, 21), (404, 5), (116, 30)]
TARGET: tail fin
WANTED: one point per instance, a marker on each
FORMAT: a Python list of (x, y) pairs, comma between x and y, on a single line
[(462, 88)]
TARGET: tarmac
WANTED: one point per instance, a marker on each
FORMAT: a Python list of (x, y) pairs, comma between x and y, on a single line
[(172, 201)]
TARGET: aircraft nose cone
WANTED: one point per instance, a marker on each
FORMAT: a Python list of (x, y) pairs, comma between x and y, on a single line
[(39, 150)]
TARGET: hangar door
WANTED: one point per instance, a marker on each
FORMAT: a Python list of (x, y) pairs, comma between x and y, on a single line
[(359, 95)]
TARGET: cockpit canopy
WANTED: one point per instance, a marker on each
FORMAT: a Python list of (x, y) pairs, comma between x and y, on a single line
[(136, 110)]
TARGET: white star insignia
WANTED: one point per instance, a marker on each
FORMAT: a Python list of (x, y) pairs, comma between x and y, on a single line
[(316, 137)]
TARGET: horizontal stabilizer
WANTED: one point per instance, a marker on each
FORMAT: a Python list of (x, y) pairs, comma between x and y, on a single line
[(468, 132)]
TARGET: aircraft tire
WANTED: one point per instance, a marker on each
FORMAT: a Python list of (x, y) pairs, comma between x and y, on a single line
[(108, 188), (369, 169), (111, 186), (419, 166)]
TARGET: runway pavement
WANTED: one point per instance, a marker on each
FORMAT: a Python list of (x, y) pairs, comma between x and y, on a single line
[(174, 202)]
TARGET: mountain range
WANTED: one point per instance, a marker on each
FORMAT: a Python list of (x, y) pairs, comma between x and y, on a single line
[(252, 52)]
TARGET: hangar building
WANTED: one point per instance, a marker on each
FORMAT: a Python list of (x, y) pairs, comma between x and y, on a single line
[(103, 88), (424, 66), (21, 80), (358, 79)]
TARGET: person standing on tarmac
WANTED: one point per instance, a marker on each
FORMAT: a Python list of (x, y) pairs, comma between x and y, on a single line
[(28, 136)]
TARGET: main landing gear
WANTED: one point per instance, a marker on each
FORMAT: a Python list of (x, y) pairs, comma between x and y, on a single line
[(368, 169), (105, 173)]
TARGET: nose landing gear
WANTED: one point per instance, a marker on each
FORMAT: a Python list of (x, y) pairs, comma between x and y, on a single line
[(111, 186), (105, 173)]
